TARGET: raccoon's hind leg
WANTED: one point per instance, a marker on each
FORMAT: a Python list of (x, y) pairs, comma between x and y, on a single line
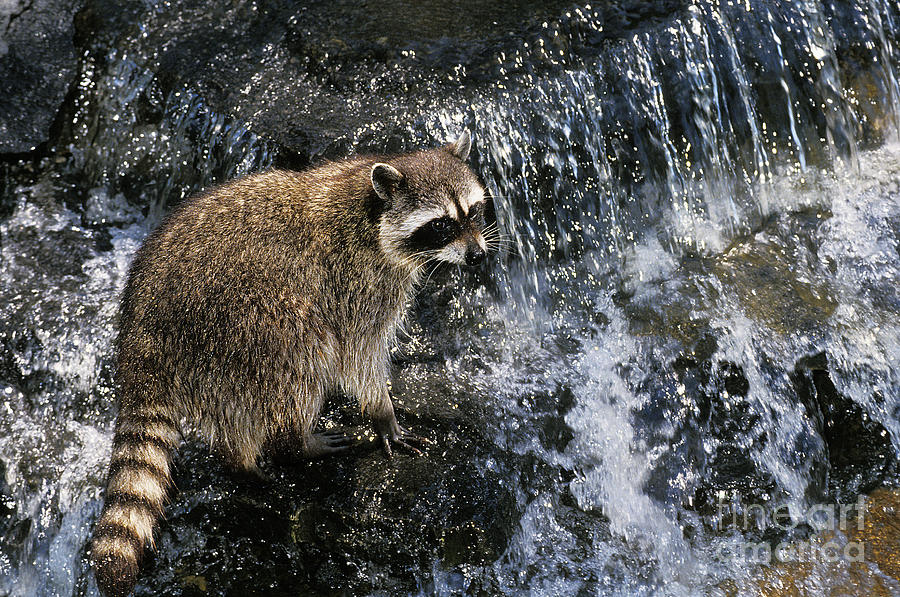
[(389, 431), (325, 443), (244, 464)]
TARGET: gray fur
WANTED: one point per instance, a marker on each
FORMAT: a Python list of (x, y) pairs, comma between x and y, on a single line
[(252, 302)]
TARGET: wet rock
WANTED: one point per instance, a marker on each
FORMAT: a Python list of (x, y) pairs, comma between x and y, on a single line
[(348, 525), (859, 451), (38, 65), (7, 502), (698, 409), (880, 532), (861, 559), (322, 77), (861, 59), (768, 273)]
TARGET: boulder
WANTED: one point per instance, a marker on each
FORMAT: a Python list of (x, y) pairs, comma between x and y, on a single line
[(38, 64)]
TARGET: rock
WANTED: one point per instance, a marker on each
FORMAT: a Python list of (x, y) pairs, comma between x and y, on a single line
[(762, 272), (7, 501), (837, 562), (881, 531), (860, 456), (38, 65), (319, 78), (352, 524)]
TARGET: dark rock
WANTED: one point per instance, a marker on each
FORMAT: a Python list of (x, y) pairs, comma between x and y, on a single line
[(345, 525), (859, 450), (323, 77), (716, 432), (37, 66)]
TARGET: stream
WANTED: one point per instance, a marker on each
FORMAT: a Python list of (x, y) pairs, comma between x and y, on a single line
[(691, 328)]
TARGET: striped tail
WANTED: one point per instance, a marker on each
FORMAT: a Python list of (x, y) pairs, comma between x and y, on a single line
[(136, 493)]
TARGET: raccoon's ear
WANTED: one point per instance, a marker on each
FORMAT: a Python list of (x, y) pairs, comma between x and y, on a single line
[(385, 180), (461, 147)]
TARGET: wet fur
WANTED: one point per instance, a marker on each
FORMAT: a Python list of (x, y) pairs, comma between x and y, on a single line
[(243, 310)]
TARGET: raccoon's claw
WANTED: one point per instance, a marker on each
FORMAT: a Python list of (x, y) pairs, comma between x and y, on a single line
[(326, 443), (402, 437), (337, 439), (390, 432)]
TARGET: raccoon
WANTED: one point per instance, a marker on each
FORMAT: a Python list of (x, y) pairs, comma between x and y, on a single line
[(253, 301)]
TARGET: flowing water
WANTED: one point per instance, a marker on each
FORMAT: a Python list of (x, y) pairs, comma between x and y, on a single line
[(695, 309)]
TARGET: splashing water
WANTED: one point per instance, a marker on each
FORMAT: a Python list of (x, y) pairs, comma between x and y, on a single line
[(693, 217)]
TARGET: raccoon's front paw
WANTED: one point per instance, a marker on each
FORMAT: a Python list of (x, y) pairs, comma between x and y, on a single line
[(389, 431), (328, 442)]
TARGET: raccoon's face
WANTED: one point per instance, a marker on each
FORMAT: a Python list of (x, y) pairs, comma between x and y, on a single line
[(435, 207)]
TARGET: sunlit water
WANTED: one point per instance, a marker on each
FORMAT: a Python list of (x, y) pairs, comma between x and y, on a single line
[(687, 220)]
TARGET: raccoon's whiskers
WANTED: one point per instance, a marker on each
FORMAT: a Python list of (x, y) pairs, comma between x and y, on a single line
[(493, 230), (401, 329), (431, 273), (417, 261), (496, 241)]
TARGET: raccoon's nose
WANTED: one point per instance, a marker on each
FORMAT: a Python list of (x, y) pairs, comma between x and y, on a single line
[(474, 255)]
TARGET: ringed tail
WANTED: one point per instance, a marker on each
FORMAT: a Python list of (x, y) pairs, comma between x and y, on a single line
[(137, 487)]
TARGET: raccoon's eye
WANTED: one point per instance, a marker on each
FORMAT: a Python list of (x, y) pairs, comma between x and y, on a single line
[(442, 228), (434, 235), (476, 212)]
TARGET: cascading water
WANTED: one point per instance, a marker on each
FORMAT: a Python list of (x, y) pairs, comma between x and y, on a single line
[(694, 304)]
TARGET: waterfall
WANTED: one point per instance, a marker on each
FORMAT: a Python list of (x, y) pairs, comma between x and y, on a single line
[(698, 279)]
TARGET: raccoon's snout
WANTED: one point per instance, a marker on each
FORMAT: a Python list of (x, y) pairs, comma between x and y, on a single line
[(474, 254)]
